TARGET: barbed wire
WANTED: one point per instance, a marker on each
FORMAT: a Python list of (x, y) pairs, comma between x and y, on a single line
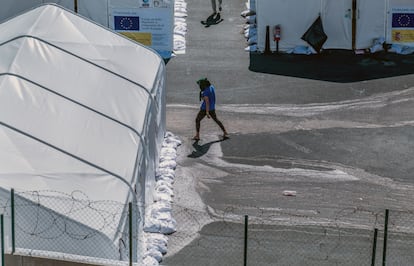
[(51, 215), (54, 213)]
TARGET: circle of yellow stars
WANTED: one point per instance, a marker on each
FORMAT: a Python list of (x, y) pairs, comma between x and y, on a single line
[(126, 23), (402, 23)]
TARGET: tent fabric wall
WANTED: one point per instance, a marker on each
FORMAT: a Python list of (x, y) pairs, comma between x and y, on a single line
[(81, 109), (371, 22), (102, 12), (336, 18), (96, 10), (295, 17), (10, 8)]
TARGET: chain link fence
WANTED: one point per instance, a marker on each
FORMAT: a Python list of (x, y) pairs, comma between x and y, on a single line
[(69, 227), (353, 236), (400, 238), (72, 227), (205, 238)]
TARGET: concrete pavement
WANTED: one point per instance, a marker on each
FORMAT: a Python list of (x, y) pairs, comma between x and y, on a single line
[(341, 146)]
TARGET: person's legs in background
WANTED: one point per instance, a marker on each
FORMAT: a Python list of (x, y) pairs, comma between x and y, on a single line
[(213, 6)]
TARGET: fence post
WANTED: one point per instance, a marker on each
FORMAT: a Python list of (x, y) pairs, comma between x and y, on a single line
[(12, 222), (246, 226), (374, 247), (130, 232), (2, 239), (384, 252)]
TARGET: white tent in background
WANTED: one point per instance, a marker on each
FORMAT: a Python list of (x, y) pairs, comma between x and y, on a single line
[(155, 18), (10, 8), (348, 24), (82, 111)]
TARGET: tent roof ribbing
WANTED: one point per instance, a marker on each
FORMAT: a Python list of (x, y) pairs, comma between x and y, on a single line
[(74, 97)]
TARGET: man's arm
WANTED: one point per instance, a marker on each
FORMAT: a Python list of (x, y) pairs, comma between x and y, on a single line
[(207, 101)]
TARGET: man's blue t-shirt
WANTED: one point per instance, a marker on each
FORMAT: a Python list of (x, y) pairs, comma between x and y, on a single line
[(209, 92)]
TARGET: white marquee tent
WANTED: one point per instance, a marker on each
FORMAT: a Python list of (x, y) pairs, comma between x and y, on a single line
[(348, 24), (82, 109)]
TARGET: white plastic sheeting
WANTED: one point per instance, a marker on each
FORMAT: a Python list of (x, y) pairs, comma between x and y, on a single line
[(81, 109), (296, 16)]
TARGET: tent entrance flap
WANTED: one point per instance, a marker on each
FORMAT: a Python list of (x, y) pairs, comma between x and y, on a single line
[(337, 19)]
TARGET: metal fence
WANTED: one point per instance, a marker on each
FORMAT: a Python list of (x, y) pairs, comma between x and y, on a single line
[(2, 239), (400, 238), (69, 227), (72, 227), (353, 236)]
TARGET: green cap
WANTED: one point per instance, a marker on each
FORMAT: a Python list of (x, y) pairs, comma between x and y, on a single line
[(200, 80)]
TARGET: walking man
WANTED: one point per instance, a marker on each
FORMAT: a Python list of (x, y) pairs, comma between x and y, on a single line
[(207, 108), (214, 6)]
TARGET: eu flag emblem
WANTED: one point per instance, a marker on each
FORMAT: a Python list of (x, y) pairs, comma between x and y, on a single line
[(126, 23), (403, 20)]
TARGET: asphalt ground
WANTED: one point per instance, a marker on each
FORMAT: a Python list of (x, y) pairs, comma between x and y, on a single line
[(337, 130)]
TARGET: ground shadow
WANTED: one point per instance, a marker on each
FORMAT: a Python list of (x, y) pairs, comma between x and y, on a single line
[(334, 65), (213, 19), (200, 150)]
